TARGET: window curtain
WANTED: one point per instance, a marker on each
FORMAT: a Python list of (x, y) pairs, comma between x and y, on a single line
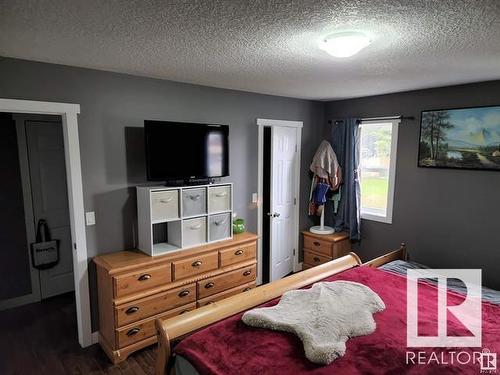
[(345, 143)]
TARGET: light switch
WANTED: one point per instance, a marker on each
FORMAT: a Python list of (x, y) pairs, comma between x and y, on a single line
[(90, 218), (255, 197)]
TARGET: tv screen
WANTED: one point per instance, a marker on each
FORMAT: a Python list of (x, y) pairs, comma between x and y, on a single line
[(176, 150)]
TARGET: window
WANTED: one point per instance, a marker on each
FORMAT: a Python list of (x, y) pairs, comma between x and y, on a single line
[(378, 145)]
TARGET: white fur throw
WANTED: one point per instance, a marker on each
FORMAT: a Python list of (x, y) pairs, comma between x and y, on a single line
[(323, 317)]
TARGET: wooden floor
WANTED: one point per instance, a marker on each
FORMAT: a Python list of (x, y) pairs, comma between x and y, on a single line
[(41, 338)]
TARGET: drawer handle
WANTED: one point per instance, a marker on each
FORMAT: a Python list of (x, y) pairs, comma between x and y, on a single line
[(220, 222), (184, 293), (195, 227), (195, 197), (209, 303), (133, 331), (247, 289), (184, 311), (316, 259), (247, 272), (239, 252), (166, 200), (131, 310), (316, 243), (144, 277), (222, 194), (197, 263), (209, 285)]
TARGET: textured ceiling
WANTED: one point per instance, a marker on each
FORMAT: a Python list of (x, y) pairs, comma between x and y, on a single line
[(263, 46)]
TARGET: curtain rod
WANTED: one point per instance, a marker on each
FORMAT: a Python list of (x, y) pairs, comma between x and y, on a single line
[(383, 118)]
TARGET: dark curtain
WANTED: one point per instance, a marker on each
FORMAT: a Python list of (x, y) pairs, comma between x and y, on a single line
[(345, 143)]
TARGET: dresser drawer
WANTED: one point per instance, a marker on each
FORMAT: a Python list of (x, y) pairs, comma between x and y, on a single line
[(146, 328), (228, 280), (226, 294), (137, 281), (319, 246), (237, 254), (194, 232), (195, 265), (314, 259), (194, 202), (219, 227), (153, 305), (164, 205), (219, 198)]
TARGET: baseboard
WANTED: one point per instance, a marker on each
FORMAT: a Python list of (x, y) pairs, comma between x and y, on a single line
[(298, 267), (95, 337)]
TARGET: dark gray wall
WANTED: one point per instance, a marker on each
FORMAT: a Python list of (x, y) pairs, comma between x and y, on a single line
[(113, 108), (15, 278), (449, 218)]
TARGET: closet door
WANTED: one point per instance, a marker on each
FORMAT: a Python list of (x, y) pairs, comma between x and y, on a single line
[(283, 199), (47, 170)]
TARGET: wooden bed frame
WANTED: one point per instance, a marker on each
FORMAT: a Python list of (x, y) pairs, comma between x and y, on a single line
[(180, 326)]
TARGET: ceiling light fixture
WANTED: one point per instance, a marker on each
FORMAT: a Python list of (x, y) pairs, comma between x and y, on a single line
[(345, 44)]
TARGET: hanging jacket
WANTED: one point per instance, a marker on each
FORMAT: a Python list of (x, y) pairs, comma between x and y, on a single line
[(325, 165), (327, 170)]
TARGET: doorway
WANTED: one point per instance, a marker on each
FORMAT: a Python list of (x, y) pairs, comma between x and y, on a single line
[(43, 176), (278, 215), (68, 114), (35, 192)]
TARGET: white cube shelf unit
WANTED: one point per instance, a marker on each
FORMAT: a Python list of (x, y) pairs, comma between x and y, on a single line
[(176, 218)]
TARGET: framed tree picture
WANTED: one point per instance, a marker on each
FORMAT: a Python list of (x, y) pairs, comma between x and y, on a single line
[(465, 138)]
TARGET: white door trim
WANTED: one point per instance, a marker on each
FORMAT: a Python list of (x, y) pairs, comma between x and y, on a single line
[(68, 113), (261, 123)]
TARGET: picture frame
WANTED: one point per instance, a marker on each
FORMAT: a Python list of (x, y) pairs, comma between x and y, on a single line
[(460, 138)]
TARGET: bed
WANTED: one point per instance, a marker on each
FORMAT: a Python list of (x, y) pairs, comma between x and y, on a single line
[(215, 341)]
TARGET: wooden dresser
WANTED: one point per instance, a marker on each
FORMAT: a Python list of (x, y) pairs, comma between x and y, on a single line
[(135, 289), (322, 248)]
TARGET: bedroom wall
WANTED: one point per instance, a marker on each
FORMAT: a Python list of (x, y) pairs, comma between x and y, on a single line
[(113, 108), (449, 218)]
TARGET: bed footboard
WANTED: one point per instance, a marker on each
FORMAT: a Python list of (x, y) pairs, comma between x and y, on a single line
[(174, 328), (180, 326)]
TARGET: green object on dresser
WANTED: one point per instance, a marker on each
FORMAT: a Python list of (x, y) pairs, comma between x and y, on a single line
[(238, 226)]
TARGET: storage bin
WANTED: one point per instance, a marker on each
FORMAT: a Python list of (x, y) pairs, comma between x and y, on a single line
[(219, 198), (194, 232), (219, 227), (194, 202), (164, 205)]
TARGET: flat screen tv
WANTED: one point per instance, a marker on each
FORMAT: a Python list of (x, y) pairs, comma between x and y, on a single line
[(186, 151)]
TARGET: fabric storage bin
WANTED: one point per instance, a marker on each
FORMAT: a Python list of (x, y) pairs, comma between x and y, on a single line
[(219, 198), (219, 227), (164, 205), (194, 202), (194, 231)]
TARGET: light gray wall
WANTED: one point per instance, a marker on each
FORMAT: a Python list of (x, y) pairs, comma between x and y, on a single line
[(113, 108), (449, 218)]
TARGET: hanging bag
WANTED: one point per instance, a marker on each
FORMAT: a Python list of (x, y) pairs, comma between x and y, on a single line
[(44, 252)]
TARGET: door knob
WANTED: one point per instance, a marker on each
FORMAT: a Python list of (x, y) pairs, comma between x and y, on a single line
[(274, 214)]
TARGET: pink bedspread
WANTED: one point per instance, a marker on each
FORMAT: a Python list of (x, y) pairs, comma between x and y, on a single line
[(229, 347)]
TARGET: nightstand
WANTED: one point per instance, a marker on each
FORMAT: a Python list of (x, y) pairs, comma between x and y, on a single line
[(322, 248)]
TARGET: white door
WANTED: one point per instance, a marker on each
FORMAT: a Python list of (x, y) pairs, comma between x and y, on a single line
[(47, 172), (284, 158)]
